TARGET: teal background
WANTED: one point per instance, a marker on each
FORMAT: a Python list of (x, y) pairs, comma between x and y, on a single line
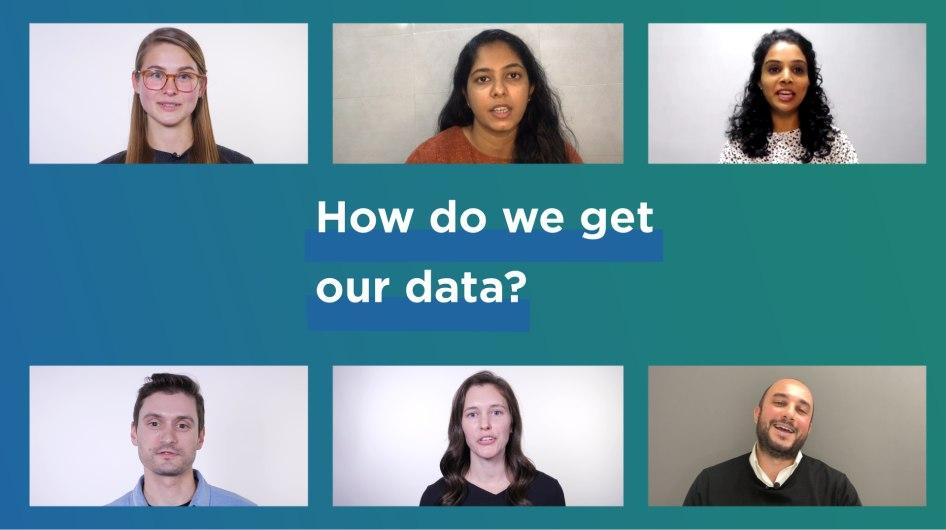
[(204, 265)]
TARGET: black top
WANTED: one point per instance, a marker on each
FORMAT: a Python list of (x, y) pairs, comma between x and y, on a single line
[(544, 491), (733, 483), (227, 156)]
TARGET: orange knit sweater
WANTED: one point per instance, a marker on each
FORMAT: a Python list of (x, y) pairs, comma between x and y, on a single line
[(452, 147)]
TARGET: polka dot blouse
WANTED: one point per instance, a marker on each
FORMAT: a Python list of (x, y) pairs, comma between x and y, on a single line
[(786, 148)]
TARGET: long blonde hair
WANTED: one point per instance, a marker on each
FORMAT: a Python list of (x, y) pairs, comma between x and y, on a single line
[(204, 149)]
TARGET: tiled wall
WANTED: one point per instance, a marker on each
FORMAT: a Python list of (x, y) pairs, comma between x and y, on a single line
[(391, 80)]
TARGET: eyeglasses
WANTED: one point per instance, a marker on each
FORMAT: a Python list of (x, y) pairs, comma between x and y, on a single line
[(157, 79)]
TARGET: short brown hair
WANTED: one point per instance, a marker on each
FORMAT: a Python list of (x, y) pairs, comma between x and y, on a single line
[(170, 384)]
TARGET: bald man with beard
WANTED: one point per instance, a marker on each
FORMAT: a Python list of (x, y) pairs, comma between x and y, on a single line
[(775, 473)]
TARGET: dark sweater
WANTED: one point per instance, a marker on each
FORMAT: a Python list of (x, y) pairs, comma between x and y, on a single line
[(544, 491), (733, 483), (227, 156)]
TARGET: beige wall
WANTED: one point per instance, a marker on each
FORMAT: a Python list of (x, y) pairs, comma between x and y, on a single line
[(391, 80), (869, 422)]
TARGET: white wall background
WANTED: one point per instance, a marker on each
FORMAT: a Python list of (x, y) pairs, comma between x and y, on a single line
[(874, 76), (81, 93), (390, 82), (390, 429), (869, 422), (256, 426)]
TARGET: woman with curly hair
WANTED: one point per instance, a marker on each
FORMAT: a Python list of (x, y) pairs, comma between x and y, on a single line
[(501, 109), (784, 116), (484, 464)]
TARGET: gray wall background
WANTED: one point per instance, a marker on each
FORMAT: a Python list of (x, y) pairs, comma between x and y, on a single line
[(391, 80), (874, 75), (869, 423)]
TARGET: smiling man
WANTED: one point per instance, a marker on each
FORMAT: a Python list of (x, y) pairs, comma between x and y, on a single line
[(168, 428), (775, 473)]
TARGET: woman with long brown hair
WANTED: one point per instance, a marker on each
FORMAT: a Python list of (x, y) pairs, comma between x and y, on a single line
[(170, 114), (484, 464)]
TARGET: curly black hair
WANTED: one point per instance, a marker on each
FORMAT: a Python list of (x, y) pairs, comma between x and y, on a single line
[(751, 122), (541, 135)]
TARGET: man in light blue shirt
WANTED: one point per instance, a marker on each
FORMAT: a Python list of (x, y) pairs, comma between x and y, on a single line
[(168, 429), (204, 495)]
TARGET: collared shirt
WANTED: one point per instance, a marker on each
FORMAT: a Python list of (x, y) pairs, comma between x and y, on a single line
[(227, 156), (204, 495), (782, 475)]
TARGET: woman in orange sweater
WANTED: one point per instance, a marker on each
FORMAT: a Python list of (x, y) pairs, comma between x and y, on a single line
[(501, 109)]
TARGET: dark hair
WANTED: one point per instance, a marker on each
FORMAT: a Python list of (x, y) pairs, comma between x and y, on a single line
[(170, 384), (456, 460), (540, 136), (751, 122)]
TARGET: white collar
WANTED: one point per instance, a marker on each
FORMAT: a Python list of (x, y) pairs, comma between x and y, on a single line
[(782, 475)]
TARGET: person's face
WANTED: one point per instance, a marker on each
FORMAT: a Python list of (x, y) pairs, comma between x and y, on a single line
[(783, 421), (166, 434), (784, 81), (498, 88), (486, 422), (168, 106)]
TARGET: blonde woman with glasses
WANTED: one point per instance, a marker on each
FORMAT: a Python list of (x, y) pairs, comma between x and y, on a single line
[(170, 114)]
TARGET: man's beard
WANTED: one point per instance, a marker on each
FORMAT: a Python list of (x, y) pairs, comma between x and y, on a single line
[(168, 469), (762, 433)]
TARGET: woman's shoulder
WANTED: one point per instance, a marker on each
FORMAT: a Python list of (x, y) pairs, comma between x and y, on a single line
[(543, 478), (546, 491), (732, 153), (572, 154), (842, 149), (229, 156), (434, 493), (442, 148), (117, 158)]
